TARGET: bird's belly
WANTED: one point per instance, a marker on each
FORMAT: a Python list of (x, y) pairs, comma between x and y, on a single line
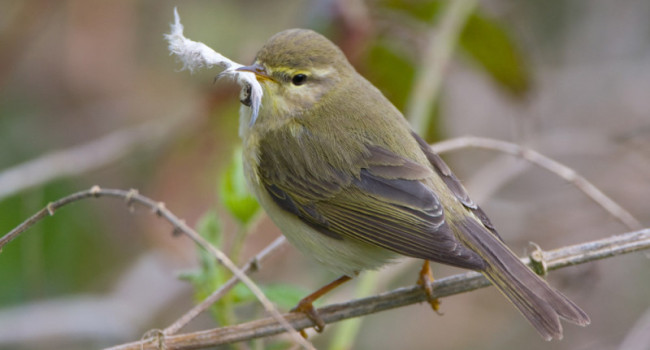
[(342, 256)]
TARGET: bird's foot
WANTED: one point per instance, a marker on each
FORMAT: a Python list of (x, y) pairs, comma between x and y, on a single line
[(306, 307), (425, 280)]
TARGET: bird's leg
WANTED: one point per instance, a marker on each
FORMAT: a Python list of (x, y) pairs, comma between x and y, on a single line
[(306, 304), (425, 280)]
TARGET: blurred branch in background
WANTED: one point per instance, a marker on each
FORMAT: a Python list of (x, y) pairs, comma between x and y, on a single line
[(90, 156), (554, 259), (549, 164), (442, 40)]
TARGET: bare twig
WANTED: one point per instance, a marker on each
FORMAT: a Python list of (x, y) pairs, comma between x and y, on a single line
[(549, 164), (555, 259), (179, 225), (440, 46), (251, 265)]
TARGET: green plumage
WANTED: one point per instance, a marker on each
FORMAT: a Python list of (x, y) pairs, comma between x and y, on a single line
[(338, 169)]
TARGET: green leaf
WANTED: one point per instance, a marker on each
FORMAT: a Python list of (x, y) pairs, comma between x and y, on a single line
[(285, 296), (422, 10), (277, 344), (396, 83), (210, 273), (241, 293), (192, 276), (390, 71), (492, 47), (234, 193), (484, 40), (209, 227)]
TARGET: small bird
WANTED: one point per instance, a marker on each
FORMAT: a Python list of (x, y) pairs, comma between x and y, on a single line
[(338, 169)]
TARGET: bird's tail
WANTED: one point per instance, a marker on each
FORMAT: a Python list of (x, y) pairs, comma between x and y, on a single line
[(540, 303)]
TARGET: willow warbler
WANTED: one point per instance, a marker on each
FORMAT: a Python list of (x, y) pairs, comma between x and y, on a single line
[(338, 169)]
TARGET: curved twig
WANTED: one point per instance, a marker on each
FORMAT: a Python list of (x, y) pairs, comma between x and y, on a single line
[(547, 163), (179, 225)]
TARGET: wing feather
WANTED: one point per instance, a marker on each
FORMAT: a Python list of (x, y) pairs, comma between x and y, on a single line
[(454, 184), (385, 203)]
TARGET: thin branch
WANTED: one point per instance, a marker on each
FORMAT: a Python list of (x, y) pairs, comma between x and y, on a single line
[(547, 163), (555, 259), (179, 225), (259, 294), (251, 265), (440, 46)]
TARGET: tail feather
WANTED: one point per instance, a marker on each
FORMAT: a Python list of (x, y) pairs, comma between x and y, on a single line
[(541, 304)]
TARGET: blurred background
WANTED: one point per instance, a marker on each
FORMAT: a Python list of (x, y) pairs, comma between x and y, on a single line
[(89, 95)]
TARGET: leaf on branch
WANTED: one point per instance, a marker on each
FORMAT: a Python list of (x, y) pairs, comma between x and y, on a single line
[(209, 227), (234, 193), (493, 48), (285, 296), (210, 275)]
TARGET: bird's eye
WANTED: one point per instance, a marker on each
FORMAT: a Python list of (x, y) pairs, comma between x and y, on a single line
[(298, 79)]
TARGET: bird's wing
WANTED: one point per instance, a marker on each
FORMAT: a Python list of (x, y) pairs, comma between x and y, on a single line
[(454, 184), (384, 203)]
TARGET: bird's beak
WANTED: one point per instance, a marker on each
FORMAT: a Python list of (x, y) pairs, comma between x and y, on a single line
[(258, 70)]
